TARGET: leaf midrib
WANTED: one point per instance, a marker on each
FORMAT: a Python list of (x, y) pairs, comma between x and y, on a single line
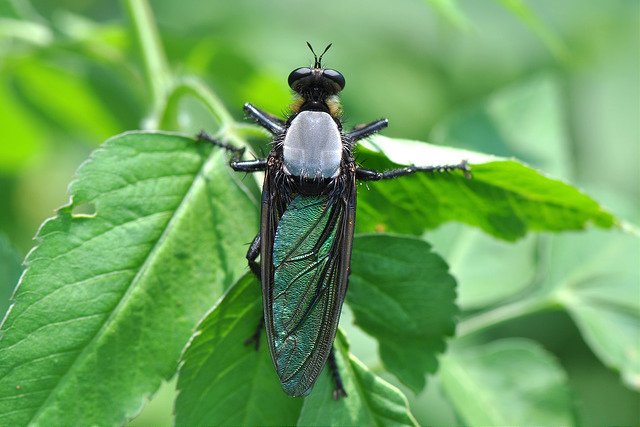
[(360, 387), (145, 265)]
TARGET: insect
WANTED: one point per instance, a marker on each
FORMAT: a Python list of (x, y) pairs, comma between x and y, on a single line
[(307, 222)]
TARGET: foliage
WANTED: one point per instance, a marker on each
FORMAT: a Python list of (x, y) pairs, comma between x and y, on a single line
[(97, 281), (9, 271), (486, 384), (157, 226)]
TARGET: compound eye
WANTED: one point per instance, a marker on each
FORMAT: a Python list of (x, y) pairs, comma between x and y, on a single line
[(335, 77), (297, 74)]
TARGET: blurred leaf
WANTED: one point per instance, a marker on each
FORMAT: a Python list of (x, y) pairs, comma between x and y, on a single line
[(65, 97), (450, 10), (596, 277), (110, 296), (505, 198), (487, 270), (22, 139), (103, 40), (10, 270), (508, 382), (552, 42), (370, 400), (229, 71), (267, 92), (402, 294), (158, 411), (30, 32), (525, 120), (224, 382)]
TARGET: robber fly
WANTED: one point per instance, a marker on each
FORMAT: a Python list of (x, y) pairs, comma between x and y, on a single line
[(307, 222)]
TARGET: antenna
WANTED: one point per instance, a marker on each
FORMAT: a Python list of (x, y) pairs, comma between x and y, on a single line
[(317, 61)]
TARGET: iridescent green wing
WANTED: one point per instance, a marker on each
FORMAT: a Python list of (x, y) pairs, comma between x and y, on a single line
[(309, 271)]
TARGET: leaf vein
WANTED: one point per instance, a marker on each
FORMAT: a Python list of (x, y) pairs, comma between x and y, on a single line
[(120, 306)]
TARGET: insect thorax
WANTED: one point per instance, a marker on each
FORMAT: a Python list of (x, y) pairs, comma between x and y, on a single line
[(312, 146)]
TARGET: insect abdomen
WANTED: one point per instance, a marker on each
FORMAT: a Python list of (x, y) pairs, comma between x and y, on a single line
[(301, 292)]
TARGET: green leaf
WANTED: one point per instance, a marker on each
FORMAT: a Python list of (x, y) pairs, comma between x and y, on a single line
[(595, 277), (48, 87), (488, 270), (17, 125), (505, 198), (526, 120), (370, 400), (402, 294), (110, 297), (507, 382), (223, 381), (10, 270)]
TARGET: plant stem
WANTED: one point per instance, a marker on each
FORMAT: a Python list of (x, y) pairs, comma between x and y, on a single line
[(229, 129), (166, 89), (156, 68), (502, 314), (193, 87)]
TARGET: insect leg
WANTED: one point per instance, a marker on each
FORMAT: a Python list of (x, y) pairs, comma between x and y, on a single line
[(371, 175), (255, 338), (364, 131), (252, 254), (339, 391), (235, 151), (257, 165), (264, 119)]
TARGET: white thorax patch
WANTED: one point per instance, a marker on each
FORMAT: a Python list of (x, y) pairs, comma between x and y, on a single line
[(312, 146)]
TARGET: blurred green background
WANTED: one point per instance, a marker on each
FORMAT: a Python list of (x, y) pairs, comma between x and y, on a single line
[(71, 75)]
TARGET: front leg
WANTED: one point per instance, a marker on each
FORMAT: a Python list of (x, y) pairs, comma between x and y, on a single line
[(264, 119), (364, 131), (371, 175), (257, 165)]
